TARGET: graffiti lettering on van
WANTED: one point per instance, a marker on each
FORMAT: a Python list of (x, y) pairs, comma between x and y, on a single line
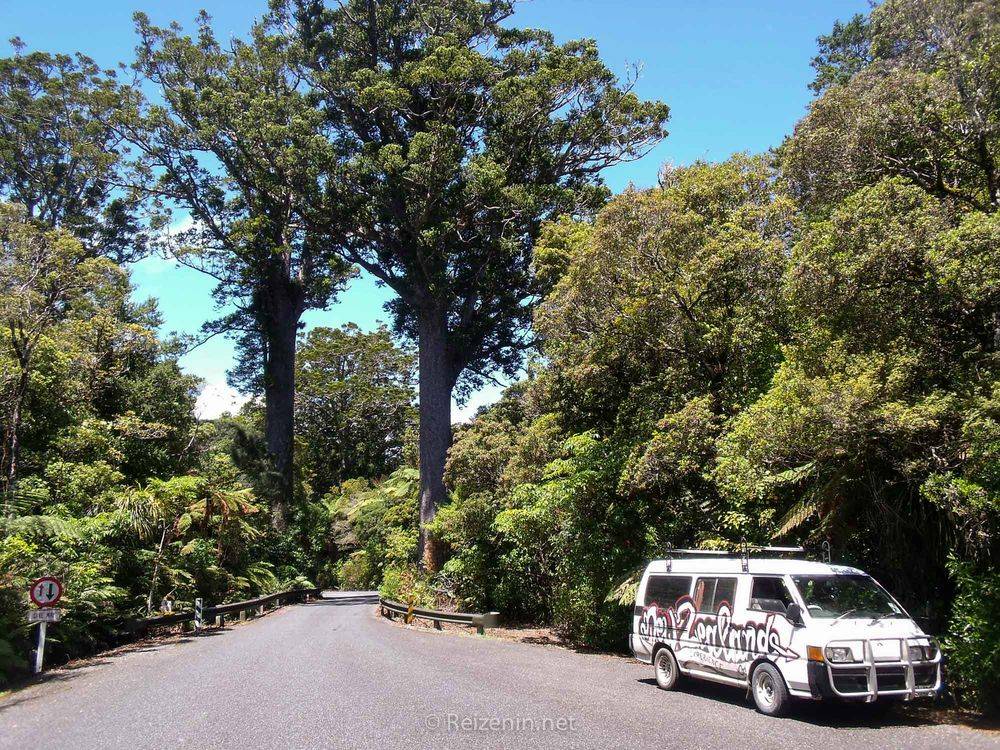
[(716, 634)]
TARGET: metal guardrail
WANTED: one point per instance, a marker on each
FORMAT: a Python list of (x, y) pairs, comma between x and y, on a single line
[(480, 622), (219, 612)]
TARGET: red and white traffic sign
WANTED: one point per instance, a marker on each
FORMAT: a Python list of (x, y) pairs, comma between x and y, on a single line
[(45, 592)]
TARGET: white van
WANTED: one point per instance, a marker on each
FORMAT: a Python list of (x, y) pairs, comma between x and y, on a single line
[(781, 627)]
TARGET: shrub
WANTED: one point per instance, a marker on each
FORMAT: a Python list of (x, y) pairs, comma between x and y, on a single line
[(356, 572), (408, 585), (972, 644)]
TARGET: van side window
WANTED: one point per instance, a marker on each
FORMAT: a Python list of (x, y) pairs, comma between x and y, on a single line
[(710, 593), (769, 595), (664, 591)]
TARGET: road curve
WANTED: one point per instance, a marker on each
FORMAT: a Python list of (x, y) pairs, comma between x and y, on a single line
[(332, 674)]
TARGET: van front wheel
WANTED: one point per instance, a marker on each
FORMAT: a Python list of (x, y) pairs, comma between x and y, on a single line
[(769, 690), (667, 672)]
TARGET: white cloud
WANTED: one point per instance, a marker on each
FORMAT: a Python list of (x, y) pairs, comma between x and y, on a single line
[(216, 399)]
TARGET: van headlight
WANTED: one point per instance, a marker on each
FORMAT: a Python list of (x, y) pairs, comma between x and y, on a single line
[(840, 654), (922, 651)]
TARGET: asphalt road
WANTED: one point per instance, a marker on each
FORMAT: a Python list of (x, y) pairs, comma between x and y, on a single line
[(334, 675)]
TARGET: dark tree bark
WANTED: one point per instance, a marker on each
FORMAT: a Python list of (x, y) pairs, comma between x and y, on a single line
[(437, 380), (280, 308)]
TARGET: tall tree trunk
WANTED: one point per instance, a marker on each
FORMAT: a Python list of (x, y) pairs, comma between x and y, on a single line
[(12, 443), (436, 384), (280, 322)]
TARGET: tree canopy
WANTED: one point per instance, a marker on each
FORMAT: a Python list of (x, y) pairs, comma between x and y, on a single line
[(911, 92), (60, 158), (454, 138), (353, 404)]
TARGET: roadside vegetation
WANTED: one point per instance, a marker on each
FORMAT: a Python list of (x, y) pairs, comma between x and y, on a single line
[(792, 347)]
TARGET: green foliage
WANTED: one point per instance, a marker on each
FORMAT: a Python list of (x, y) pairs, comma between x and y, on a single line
[(845, 51), (801, 346), (108, 480), (374, 527), (856, 405), (354, 404), (234, 142), (453, 137), (973, 642), (912, 91), (444, 207), (677, 293), (409, 585), (59, 156)]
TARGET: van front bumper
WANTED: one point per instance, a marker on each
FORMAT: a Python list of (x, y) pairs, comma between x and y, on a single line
[(870, 679)]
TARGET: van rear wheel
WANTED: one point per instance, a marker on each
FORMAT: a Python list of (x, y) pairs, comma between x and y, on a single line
[(666, 669), (769, 690)]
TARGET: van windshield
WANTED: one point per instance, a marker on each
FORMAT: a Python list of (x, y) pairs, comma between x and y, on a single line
[(833, 596)]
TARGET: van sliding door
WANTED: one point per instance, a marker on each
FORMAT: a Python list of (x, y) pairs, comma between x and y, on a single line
[(705, 640)]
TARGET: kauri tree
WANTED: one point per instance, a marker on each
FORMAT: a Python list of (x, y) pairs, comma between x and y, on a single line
[(236, 145), (455, 138)]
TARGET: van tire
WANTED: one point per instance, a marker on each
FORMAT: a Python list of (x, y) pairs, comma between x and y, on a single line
[(665, 668), (770, 693)]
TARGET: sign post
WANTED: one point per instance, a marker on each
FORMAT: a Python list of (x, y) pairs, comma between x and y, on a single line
[(40, 651), (45, 593)]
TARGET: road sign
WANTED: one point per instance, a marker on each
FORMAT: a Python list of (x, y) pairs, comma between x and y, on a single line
[(46, 614), (45, 592)]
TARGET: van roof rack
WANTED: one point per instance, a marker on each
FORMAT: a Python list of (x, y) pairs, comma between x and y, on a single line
[(742, 551), (737, 552)]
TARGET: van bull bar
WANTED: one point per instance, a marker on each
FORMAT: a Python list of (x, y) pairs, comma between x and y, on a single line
[(906, 668)]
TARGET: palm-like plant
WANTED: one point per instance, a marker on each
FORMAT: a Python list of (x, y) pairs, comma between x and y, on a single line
[(187, 510)]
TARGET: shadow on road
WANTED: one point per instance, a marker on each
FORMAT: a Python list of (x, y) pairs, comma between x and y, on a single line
[(22, 692), (338, 599), (834, 715)]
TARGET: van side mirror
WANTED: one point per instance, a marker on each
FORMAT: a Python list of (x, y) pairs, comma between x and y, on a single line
[(794, 615)]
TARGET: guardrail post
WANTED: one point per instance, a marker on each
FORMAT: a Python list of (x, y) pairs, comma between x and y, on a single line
[(487, 620), (437, 624), (220, 621), (243, 615), (260, 610)]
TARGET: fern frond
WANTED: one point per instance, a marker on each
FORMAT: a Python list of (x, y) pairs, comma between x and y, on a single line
[(45, 526), (625, 592), (797, 515)]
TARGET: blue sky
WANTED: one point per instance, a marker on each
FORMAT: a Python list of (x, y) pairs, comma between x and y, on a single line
[(734, 74)]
